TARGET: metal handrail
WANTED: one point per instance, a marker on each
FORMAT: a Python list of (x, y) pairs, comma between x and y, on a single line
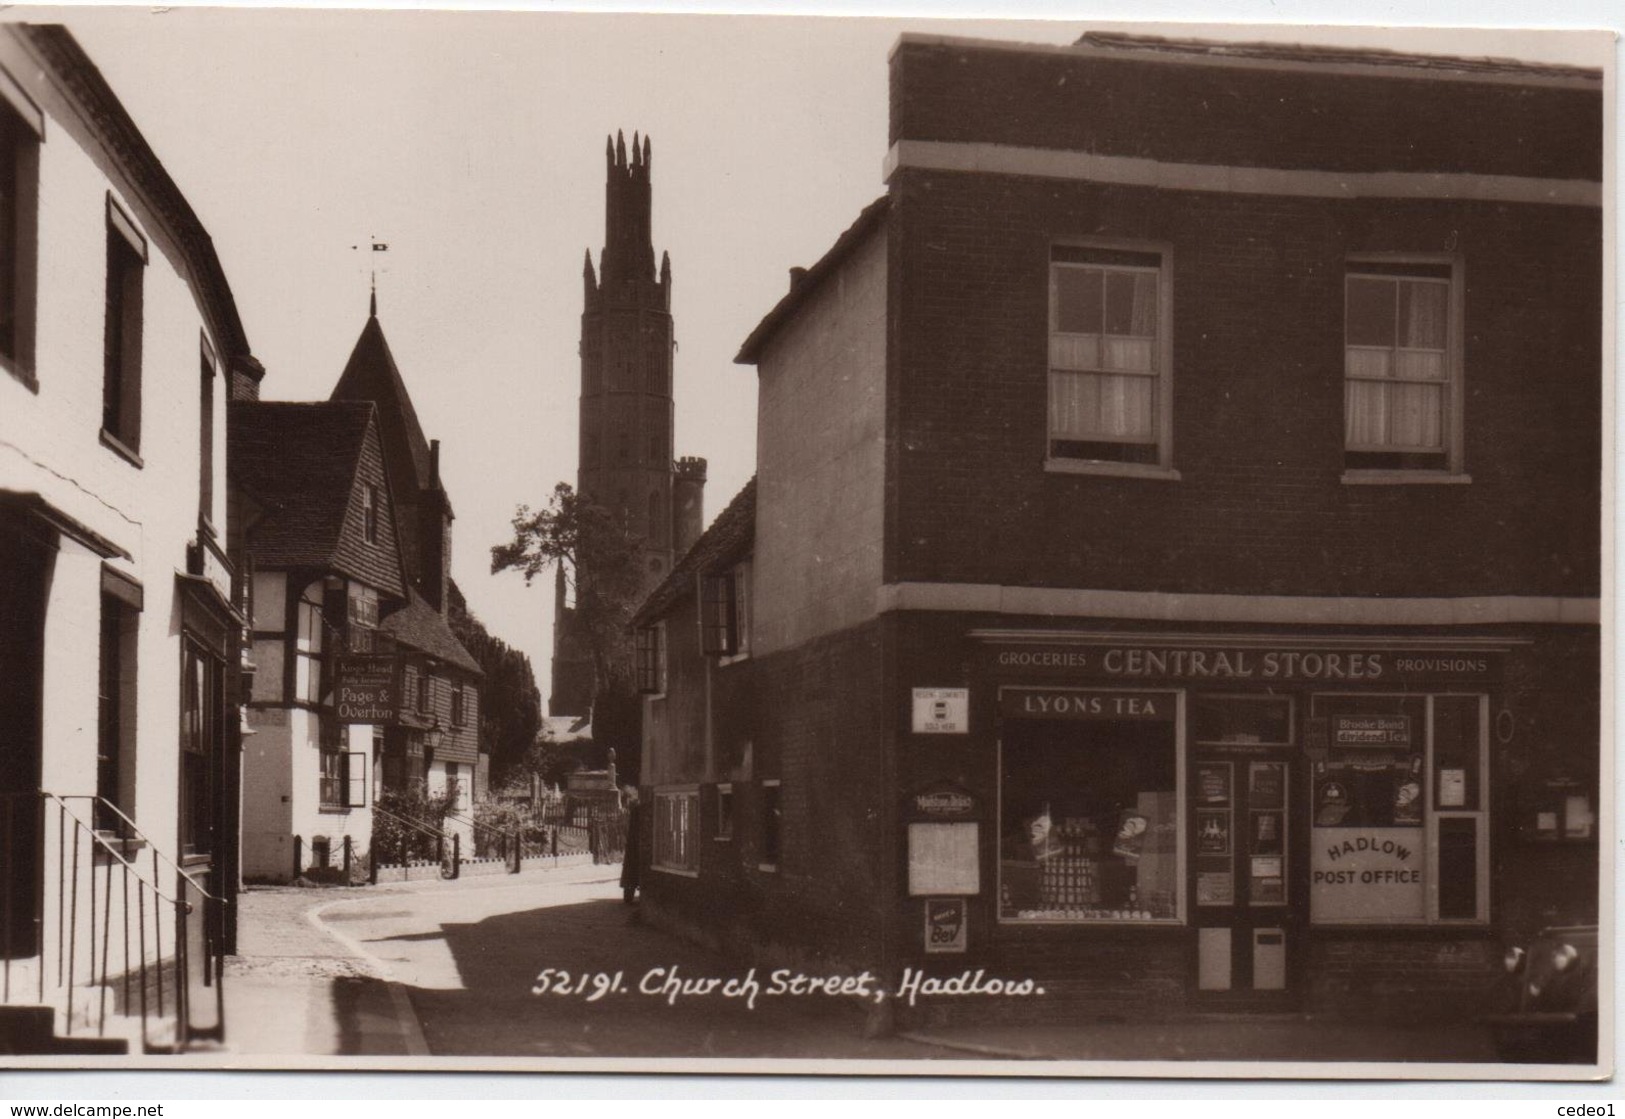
[(96, 948), (137, 834)]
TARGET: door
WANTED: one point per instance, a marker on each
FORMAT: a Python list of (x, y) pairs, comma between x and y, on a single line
[(1243, 908), (202, 750), (25, 567)]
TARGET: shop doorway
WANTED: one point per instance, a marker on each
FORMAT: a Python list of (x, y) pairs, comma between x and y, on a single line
[(1243, 882)]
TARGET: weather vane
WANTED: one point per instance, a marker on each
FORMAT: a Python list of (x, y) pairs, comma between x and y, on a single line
[(373, 245)]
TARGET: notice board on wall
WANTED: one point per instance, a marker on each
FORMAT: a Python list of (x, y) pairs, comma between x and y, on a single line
[(942, 859)]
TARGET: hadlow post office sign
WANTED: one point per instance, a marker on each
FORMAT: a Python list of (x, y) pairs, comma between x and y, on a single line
[(367, 689)]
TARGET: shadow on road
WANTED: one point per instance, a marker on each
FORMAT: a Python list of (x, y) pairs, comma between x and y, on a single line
[(588, 945)]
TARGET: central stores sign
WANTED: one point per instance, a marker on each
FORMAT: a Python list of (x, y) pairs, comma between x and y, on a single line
[(1129, 661)]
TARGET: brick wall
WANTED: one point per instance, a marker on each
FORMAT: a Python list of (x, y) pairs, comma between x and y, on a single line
[(816, 714), (1332, 118), (1257, 322), (1403, 980)]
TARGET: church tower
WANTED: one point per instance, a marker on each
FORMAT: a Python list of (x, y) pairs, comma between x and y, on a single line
[(626, 458), (626, 365)]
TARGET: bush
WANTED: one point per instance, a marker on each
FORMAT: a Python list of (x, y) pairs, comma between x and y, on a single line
[(413, 805)]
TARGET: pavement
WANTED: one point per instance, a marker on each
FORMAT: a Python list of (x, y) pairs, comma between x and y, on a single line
[(452, 969)]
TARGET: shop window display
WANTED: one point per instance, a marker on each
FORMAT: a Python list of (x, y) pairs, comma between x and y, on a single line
[(1090, 822), (1399, 820)]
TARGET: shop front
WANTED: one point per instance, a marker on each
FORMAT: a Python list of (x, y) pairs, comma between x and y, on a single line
[(1225, 820)]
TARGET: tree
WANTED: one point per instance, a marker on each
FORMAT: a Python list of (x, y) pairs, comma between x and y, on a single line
[(602, 564), (510, 701)]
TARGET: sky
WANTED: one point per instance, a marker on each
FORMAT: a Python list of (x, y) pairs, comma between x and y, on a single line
[(472, 143)]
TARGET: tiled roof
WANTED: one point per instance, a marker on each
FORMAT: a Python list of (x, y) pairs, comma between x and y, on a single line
[(371, 374), (420, 626), (867, 220), (728, 540), (298, 462)]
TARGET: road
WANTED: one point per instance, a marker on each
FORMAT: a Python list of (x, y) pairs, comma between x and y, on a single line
[(469, 958)]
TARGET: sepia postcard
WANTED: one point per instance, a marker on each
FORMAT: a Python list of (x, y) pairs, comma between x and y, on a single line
[(593, 542)]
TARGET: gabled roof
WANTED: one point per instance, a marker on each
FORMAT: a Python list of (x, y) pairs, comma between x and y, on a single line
[(298, 462), (420, 626), (867, 221), (371, 374), (728, 540), (117, 132)]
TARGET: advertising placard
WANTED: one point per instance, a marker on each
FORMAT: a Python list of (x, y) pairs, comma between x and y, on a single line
[(365, 689), (945, 925), (1371, 730), (1212, 831), (941, 711), (942, 859)]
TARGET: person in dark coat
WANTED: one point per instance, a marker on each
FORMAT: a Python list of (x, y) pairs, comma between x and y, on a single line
[(631, 859)]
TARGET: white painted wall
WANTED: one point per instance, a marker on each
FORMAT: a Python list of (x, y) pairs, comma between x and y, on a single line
[(820, 452), (49, 446)]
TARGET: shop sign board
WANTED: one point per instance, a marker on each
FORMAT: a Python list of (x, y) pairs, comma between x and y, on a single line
[(1305, 662), (942, 801), (1367, 875), (1054, 703), (941, 711), (943, 859), (366, 690), (1371, 730), (946, 926)]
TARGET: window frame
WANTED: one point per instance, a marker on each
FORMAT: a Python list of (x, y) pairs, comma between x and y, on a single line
[(651, 660), (346, 786), (309, 650), (1453, 427), (459, 714), (686, 863), (27, 122), (1163, 377), (369, 513), (724, 614), (122, 333), (1184, 901), (1482, 813)]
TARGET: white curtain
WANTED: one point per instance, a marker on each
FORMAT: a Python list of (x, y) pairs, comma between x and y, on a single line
[(1103, 387), (1395, 396)]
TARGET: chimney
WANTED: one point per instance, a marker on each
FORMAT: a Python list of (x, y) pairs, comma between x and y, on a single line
[(435, 519), (796, 276), (244, 377)]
